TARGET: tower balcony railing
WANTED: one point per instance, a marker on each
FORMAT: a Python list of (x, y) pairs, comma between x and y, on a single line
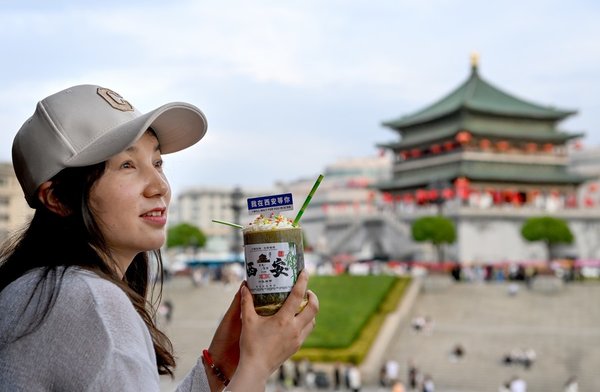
[(463, 208), (450, 208), (482, 156)]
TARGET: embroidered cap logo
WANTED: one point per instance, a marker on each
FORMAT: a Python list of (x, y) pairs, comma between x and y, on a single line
[(114, 100)]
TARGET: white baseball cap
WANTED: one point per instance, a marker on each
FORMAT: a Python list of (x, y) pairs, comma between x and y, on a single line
[(84, 125)]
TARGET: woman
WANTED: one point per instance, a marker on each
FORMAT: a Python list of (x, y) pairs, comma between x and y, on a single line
[(73, 284)]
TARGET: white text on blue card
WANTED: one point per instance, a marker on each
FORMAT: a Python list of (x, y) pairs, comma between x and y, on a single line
[(272, 203)]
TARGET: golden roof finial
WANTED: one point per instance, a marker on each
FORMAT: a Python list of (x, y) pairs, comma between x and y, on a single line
[(474, 60)]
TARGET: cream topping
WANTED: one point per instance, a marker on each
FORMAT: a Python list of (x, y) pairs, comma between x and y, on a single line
[(272, 222)]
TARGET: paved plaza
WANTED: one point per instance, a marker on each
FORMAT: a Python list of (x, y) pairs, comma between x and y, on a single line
[(560, 325)]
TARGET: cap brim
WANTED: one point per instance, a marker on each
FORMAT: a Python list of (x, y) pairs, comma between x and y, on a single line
[(177, 125)]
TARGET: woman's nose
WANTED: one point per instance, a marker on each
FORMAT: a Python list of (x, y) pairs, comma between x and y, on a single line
[(158, 185)]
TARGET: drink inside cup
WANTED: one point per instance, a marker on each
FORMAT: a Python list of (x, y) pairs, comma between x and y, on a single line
[(274, 258)]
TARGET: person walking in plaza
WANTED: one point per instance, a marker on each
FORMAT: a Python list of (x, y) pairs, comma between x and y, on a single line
[(517, 384), (74, 282), (337, 376), (413, 376), (391, 371), (504, 387), (354, 378), (428, 384), (571, 385)]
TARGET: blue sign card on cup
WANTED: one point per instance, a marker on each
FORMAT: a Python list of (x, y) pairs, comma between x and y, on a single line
[(262, 204)]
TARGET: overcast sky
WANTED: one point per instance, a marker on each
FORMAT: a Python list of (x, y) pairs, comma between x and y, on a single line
[(291, 86)]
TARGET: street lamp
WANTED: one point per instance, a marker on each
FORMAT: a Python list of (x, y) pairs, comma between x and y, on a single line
[(236, 197)]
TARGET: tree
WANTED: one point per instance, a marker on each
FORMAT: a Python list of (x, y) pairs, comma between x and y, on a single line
[(551, 231), (185, 235), (438, 230)]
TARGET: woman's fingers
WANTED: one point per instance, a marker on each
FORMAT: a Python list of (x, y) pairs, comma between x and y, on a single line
[(225, 344), (294, 299), (247, 303), (308, 314), (268, 341), (234, 307)]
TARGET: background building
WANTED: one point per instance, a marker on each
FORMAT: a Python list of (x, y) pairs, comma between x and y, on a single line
[(347, 216), (199, 206), (492, 160), (14, 211)]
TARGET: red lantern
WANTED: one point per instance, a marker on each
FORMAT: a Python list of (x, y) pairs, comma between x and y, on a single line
[(461, 182), (503, 145), (531, 147), (415, 152), (463, 137), (449, 146), (485, 144), (496, 196), (548, 147), (448, 193), (387, 197), (516, 198), (421, 195), (433, 194), (436, 148)]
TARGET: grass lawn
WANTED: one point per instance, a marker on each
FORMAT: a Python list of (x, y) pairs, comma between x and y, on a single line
[(352, 309)]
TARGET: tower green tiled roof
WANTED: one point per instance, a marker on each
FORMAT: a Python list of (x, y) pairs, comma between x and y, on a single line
[(490, 172), (478, 95)]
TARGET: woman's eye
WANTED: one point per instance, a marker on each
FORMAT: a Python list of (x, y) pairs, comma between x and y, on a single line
[(126, 165), (159, 163)]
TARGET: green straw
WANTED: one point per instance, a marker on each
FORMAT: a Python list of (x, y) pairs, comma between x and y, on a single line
[(308, 199), (228, 223)]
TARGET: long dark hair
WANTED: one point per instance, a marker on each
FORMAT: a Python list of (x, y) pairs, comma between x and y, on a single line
[(51, 241)]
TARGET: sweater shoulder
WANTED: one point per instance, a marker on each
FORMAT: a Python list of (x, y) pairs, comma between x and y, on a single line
[(74, 297), (90, 335)]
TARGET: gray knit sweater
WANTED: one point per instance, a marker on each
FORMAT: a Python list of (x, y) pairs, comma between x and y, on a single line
[(91, 340)]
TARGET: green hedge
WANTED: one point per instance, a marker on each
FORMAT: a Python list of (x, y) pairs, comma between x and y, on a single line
[(352, 310)]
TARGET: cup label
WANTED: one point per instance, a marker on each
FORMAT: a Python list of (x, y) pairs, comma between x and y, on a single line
[(275, 203), (272, 267)]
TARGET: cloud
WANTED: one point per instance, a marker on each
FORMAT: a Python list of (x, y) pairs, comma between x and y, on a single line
[(278, 78)]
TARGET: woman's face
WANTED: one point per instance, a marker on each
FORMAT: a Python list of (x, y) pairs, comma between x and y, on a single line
[(130, 200)]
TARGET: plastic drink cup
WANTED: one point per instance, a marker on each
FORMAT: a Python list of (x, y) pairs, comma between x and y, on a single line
[(274, 258)]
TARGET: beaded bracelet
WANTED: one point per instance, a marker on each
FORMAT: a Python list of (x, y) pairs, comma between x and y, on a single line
[(209, 361)]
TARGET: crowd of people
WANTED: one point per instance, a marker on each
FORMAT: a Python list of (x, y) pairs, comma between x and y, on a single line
[(494, 272), (518, 356), (301, 374)]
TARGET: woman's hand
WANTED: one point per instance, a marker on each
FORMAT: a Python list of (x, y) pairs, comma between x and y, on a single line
[(225, 345), (266, 342)]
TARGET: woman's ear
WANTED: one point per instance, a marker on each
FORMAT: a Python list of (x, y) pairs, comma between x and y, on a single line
[(47, 197)]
